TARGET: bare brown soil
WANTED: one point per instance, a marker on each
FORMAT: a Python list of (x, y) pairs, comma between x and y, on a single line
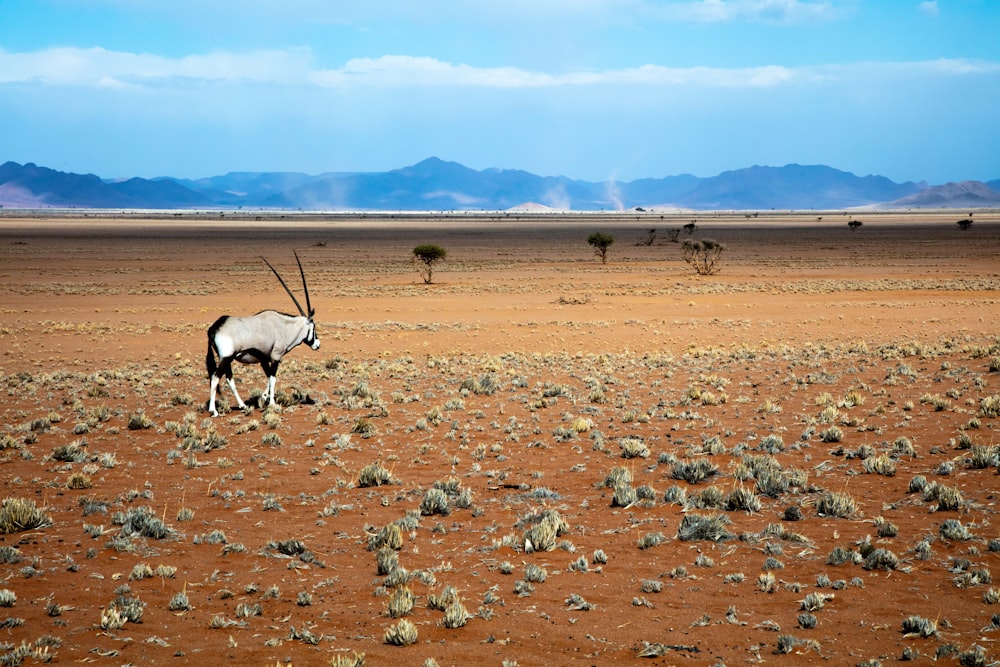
[(887, 334)]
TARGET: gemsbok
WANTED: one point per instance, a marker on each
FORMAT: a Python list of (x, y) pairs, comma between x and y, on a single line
[(264, 338)]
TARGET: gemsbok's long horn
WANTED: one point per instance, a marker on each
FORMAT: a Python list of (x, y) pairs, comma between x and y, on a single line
[(281, 280), (305, 288)]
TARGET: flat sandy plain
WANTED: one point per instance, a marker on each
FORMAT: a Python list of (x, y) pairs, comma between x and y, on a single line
[(537, 459)]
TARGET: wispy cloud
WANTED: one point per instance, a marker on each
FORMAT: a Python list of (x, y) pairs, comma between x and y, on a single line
[(323, 11), (765, 11), (930, 7), (100, 68), (97, 67), (407, 71)]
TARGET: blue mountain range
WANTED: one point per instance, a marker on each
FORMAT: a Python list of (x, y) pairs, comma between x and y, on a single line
[(439, 185)]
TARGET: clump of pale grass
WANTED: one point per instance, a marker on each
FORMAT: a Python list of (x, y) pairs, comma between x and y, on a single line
[(693, 470), (835, 504), (403, 633), (374, 474), (695, 526), (544, 530)]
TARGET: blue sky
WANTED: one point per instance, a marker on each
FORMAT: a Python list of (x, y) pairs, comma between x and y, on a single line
[(590, 89)]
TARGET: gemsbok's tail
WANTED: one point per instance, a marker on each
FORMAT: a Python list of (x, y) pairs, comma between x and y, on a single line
[(210, 363)]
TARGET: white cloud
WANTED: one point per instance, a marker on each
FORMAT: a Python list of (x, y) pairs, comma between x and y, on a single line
[(100, 68), (930, 7)]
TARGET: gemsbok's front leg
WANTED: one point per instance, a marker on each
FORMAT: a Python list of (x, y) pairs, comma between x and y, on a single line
[(271, 371)]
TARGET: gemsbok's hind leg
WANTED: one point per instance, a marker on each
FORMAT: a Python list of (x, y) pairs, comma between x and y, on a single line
[(239, 401), (211, 396), (225, 369)]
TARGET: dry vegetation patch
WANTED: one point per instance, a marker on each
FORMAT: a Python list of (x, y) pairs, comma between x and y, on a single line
[(483, 469)]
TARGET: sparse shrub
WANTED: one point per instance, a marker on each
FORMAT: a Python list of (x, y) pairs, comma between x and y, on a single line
[(601, 243), (702, 255), (426, 256)]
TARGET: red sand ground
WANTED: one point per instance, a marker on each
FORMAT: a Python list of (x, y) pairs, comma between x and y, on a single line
[(887, 332)]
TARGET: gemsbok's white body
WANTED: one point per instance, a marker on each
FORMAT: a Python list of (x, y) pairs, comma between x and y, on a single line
[(264, 338)]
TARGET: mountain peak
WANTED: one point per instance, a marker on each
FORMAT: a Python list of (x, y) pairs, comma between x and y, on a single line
[(961, 194)]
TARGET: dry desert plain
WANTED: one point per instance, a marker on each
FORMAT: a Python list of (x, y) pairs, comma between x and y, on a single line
[(537, 459)]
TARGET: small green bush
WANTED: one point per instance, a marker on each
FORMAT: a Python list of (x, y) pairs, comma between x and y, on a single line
[(601, 243), (428, 255)]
